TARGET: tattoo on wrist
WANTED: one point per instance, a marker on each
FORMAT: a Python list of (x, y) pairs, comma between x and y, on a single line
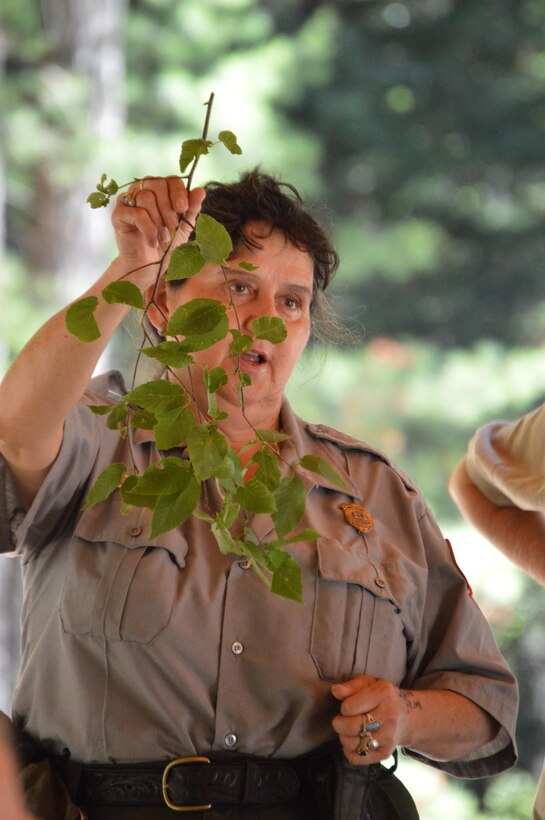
[(409, 699)]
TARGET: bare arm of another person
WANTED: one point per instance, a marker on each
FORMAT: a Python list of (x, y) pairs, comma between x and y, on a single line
[(519, 534), (12, 806), (51, 373), (437, 723)]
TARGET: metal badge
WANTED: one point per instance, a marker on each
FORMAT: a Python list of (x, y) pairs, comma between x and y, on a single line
[(358, 517)]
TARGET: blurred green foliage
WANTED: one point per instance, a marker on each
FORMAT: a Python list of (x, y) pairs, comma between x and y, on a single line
[(419, 126)]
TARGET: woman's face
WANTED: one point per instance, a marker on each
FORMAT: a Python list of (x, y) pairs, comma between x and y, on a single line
[(282, 286)]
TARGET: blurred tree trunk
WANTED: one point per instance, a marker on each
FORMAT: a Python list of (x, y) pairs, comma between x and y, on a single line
[(10, 579), (65, 238), (86, 41)]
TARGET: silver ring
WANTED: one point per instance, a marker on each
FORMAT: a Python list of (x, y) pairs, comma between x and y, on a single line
[(130, 202), (373, 744)]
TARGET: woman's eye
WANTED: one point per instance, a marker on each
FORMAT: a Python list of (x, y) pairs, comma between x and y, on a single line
[(291, 304), (238, 287)]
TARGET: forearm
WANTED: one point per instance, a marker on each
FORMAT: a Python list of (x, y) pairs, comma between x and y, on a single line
[(47, 379), (442, 725), (519, 534)]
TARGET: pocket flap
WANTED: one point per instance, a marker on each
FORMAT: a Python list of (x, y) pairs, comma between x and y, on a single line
[(105, 523), (349, 563)]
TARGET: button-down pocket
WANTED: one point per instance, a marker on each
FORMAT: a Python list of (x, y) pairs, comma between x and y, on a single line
[(357, 628), (117, 585)]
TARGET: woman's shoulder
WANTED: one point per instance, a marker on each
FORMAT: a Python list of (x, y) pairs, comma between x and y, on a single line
[(347, 452), (108, 387)]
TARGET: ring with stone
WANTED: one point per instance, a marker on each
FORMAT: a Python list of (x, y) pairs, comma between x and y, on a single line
[(130, 202), (363, 747), (369, 724)]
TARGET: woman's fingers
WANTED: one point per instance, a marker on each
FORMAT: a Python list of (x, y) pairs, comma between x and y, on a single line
[(366, 702), (194, 202), (151, 210)]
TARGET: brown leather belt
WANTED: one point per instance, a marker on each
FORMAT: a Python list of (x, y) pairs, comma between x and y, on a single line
[(198, 783)]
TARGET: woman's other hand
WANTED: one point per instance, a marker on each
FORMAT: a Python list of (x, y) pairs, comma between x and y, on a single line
[(156, 214), (437, 723), (365, 699)]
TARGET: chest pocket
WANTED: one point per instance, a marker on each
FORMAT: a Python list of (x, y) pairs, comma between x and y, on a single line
[(357, 626), (117, 585)]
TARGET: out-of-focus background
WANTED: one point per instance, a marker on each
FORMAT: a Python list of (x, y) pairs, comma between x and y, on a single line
[(418, 128)]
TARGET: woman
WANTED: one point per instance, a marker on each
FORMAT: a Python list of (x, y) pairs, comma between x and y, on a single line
[(138, 653)]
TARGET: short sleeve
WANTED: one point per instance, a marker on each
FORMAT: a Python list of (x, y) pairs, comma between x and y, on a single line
[(506, 461), (61, 494), (12, 510), (456, 651)]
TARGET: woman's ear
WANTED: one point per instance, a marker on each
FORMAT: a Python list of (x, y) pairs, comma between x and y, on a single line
[(158, 312)]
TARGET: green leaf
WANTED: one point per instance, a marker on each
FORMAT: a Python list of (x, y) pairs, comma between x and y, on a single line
[(119, 413), (172, 427), (240, 343), (247, 266), (192, 149), (268, 470), (203, 322), (143, 420), (227, 516), (101, 409), (166, 477), (185, 262), (230, 142), (202, 516), (315, 464), (213, 240), (173, 354), (98, 200), (290, 504), (271, 328), (255, 497), (108, 481), (172, 510), (214, 379), (243, 381), (159, 395), (229, 474), (304, 535), (272, 436), (226, 542), (130, 498), (207, 449), (123, 292), (111, 188), (80, 320), (286, 580)]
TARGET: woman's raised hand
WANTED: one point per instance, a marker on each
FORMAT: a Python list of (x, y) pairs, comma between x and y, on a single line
[(145, 219)]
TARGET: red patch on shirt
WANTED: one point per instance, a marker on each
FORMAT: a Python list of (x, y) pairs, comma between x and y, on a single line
[(469, 590)]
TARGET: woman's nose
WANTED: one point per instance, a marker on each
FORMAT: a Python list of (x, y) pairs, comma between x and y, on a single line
[(263, 305)]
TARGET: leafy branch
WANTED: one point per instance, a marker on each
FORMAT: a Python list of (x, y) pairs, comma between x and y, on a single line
[(171, 488)]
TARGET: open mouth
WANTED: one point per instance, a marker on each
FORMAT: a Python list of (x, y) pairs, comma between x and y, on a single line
[(253, 357)]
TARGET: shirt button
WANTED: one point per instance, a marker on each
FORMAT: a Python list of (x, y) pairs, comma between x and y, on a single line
[(237, 648), (230, 740), (244, 564), (380, 583), (135, 531)]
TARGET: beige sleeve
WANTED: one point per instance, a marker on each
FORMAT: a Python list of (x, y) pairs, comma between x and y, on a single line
[(506, 461)]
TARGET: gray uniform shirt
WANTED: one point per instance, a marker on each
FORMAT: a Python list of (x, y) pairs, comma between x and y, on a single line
[(136, 650)]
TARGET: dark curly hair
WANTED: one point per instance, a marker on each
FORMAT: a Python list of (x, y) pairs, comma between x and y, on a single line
[(259, 197)]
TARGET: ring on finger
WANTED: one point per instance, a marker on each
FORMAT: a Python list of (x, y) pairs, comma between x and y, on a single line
[(363, 747), (128, 201), (369, 724)]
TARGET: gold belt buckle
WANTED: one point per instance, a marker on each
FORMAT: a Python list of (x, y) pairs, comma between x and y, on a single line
[(180, 762)]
